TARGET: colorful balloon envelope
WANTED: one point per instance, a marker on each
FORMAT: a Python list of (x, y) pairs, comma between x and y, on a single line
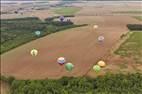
[(34, 52), (96, 68), (69, 66), (101, 38), (62, 18), (61, 60), (101, 63)]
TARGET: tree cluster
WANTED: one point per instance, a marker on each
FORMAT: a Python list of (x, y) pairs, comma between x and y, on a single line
[(108, 84), (136, 27)]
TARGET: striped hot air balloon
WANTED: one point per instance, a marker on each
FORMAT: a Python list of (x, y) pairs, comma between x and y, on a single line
[(61, 60)]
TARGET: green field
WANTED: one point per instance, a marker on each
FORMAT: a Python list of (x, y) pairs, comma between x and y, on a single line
[(139, 17), (132, 47), (107, 84), (131, 12), (66, 10), (15, 32)]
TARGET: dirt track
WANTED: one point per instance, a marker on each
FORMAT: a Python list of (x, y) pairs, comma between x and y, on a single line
[(78, 45)]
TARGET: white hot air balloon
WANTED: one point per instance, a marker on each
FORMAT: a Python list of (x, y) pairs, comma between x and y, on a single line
[(61, 60), (37, 33), (34, 52), (101, 38), (95, 26)]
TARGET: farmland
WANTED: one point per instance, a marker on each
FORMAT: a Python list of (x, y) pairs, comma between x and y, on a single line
[(16, 32), (139, 17), (79, 45), (75, 39), (133, 43), (130, 12), (132, 47), (66, 10)]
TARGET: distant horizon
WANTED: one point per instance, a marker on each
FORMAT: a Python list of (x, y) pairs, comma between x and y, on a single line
[(25, 1), (70, 0)]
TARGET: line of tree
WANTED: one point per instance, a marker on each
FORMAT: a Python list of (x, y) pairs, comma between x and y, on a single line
[(107, 84), (135, 27)]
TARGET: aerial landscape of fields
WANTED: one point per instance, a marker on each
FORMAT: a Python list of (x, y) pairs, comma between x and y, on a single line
[(71, 47)]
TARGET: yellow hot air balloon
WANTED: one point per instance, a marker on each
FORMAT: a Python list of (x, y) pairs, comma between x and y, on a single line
[(101, 63), (34, 52)]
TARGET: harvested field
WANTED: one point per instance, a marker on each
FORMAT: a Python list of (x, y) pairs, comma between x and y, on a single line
[(66, 10), (79, 46)]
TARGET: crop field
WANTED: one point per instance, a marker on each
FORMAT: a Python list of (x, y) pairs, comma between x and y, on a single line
[(66, 10), (15, 32), (139, 17), (132, 47), (133, 43), (129, 12)]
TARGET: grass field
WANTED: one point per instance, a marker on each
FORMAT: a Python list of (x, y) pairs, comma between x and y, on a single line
[(133, 12), (15, 32), (132, 47), (139, 17), (66, 10)]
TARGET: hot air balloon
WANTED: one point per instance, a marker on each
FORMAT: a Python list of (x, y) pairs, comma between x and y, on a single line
[(69, 66), (34, 52), (101, 63), (61, 60), (96, 68), (95, 26), (61, 18), (101, 38), (37, 33)]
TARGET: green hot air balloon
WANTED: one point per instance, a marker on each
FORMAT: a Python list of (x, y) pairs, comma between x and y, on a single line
[(69, 66), (96, 68)]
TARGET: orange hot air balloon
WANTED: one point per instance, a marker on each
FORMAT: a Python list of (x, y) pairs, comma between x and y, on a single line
[(101, 63)]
